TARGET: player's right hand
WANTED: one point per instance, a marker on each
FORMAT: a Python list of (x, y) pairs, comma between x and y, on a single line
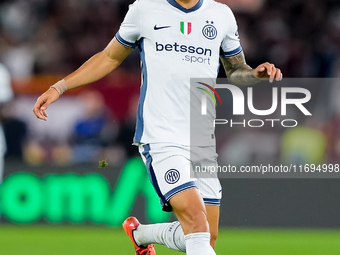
[(43, 103), (268, 71)]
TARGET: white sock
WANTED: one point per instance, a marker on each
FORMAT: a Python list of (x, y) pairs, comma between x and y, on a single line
[(199, 244), (169, 234)]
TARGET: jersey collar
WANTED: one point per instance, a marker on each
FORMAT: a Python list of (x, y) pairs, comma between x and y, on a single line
[(178, 6)]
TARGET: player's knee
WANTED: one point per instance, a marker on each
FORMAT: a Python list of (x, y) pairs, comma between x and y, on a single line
[(190, 211), (213, 235), (193, 220), (199, 221)]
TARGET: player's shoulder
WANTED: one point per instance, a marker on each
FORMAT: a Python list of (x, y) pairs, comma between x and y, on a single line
[(219, 7)]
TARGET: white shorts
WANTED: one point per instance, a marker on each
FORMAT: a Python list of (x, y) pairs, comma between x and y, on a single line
[(170, 169)]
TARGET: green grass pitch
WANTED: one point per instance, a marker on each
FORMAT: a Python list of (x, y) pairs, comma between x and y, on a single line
[(85, 240)]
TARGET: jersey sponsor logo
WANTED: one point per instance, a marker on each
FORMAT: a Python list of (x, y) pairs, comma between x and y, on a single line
[(158, 28), (209, 31), (202, 54), (185, 27), (183, 48), (172, 176)]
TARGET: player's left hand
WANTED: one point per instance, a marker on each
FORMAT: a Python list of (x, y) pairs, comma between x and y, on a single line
[(268, 71)]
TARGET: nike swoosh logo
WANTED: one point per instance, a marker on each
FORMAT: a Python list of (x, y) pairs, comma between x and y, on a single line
[(157, 28)]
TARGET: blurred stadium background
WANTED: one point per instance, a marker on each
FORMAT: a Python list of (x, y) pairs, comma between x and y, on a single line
[(55, 200)]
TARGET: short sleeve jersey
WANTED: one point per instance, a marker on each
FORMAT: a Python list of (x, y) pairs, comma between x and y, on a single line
[(175, 44)]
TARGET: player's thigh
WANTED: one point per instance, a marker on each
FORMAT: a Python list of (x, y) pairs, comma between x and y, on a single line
[(169, 170), (213, 217)]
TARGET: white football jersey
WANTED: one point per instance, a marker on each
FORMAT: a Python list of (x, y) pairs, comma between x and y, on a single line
[(175, 44)]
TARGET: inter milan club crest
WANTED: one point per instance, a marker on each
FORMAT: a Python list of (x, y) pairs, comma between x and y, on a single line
[(209, 31), (172, 176), (185, 27)]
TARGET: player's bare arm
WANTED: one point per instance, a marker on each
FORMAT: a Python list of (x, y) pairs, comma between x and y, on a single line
[(239, 73), (92, 70)]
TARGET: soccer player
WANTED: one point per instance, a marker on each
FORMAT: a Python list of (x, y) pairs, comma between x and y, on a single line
[(177, 40)]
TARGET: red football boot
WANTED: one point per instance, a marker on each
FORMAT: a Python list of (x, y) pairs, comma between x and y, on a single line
[(131, 224)]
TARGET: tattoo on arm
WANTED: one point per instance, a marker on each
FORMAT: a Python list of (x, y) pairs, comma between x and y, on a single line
[(237, 70)]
